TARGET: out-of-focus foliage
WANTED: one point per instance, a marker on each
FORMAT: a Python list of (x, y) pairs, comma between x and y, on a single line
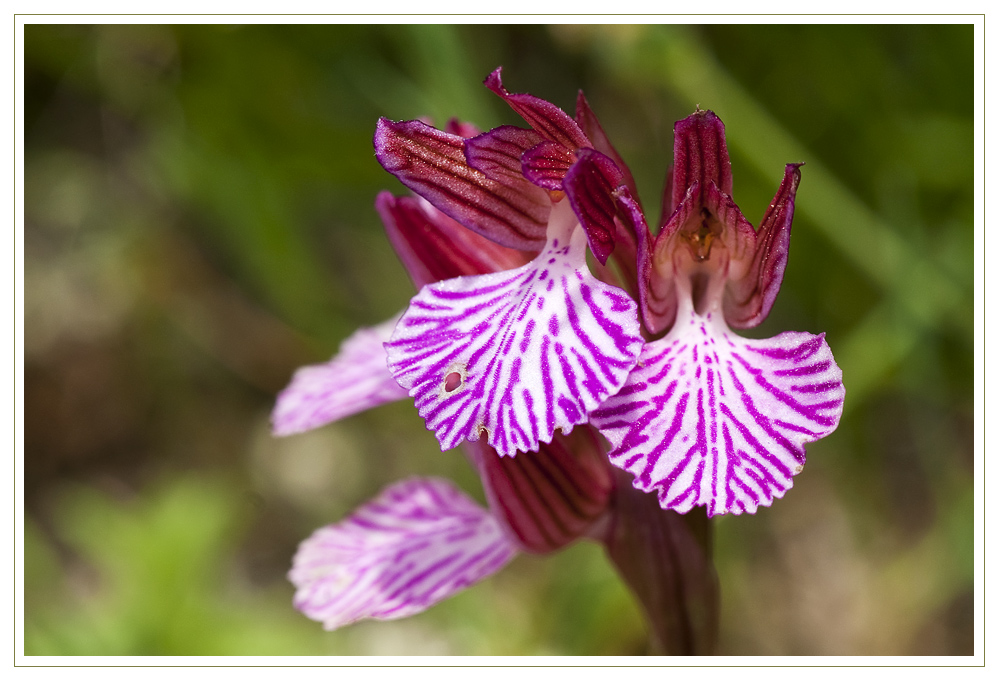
[(199, 223)]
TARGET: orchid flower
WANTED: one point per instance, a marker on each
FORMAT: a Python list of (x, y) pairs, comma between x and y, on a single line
[(515, 349)]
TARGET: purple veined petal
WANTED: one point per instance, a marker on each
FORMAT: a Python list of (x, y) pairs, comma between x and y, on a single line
[(727, 252), (590, 186), (737, 232), (707, 207), (657, 292), (355, 380), (497, 153), (749, 300), (434, 247), (550, 498), (587, 120), (546, 164), (419, 542), (550, 121), (517, 354), (432, 164), (700, 155), (710, 418), (593, 185), (657, 281)]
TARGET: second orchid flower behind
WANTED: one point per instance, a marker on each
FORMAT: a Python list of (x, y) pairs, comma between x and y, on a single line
[(513, 347)]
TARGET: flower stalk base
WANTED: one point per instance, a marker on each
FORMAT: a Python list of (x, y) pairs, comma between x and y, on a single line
[(666, 560)]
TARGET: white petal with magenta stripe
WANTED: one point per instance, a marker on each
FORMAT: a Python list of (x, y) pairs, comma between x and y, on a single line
[(355, 380), (418, 543), (517, 354), (710, 418)]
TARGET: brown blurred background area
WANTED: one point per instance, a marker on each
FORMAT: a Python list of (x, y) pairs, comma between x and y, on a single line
[(199, 222)]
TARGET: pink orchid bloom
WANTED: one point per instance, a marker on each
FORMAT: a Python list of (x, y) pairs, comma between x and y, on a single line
[(514, 348)]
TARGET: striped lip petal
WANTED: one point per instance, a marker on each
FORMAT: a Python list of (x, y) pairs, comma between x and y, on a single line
[(550, 121), (710, 418), (432, 163), (433, 247), (517, 354), (355, 380), (418, 543)]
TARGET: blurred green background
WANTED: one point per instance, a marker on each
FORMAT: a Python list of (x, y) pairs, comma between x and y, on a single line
[(199, 223)]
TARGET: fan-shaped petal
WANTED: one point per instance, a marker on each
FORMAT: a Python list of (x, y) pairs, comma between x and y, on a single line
[(418, 543), (517, 354), (710, 418), (355, 380)]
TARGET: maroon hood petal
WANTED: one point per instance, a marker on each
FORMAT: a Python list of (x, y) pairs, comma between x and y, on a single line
[(550, 121), (590, 185), (700, 155), (666, 204), (497, 153), (587, 120), (546, 165), (434, 247), (748, 300), (657, 296), (432, 163)]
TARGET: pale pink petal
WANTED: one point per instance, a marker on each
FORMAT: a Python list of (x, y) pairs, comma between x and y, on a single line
[(461, 128), (517, 354), (355, 380), (710, 418), (418, 543)]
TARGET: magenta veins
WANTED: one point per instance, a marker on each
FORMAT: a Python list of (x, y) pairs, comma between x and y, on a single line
[(516, 349)]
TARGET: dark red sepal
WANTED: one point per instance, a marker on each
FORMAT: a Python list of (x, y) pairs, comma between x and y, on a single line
[(546, 165), (700, 155), (513, 213), (549, 498), (657, 295), (590, 185), (550, 121), (434, 247), (748, 300)]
